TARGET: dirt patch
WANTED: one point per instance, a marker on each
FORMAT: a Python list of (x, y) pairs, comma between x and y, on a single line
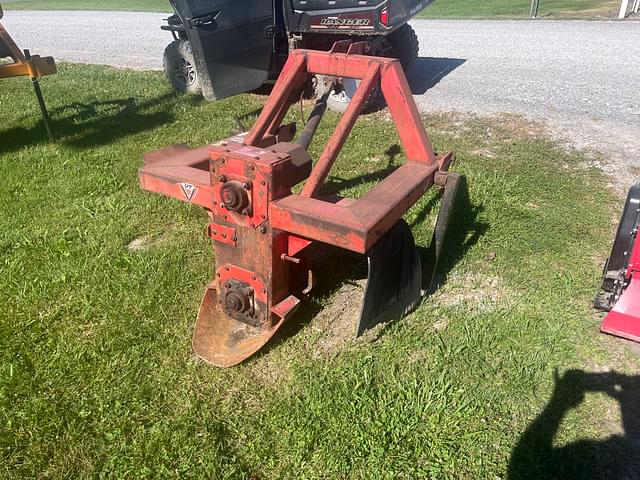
[(336, 323), (142, 243), (441, 324), (518, 126), (486, 292), (500, 127), (484, 152), (271, 373)]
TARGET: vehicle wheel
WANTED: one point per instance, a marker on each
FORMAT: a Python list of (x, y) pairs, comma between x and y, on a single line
[(180, 68), (341, 96), (405, 46)]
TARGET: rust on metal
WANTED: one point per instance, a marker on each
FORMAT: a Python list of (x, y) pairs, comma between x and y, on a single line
[(222, 233), (261, 229)]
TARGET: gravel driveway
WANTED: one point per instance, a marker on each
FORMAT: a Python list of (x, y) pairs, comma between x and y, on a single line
[(581, 77)]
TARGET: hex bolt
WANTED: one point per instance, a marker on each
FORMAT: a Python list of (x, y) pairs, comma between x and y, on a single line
[(263, 229), (222, 205), (222, 178), (246, 186)]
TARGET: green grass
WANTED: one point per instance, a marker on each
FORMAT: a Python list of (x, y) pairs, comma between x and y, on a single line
[(110, 5), (518, 8), (97, 378)]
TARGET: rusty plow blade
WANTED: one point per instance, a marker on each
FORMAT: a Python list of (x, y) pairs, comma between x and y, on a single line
[(223, 341)]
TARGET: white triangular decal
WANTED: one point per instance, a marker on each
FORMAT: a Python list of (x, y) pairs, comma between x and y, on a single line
[(190, 191)]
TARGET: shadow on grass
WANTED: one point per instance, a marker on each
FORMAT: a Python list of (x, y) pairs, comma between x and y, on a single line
[(465, 229), (98, 123), (335, 185), (618, 457)]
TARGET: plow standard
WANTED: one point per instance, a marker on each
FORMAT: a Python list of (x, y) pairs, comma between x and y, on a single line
[(262, 232)]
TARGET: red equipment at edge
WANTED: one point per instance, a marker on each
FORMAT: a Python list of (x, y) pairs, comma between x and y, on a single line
[(620, 294), (261, 230)]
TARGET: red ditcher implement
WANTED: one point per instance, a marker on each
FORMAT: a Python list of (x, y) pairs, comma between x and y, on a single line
[(262, 232), (620, 291)]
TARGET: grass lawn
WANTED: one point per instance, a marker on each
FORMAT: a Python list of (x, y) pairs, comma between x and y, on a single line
[(520, 8), (97, 377), (440, 9)]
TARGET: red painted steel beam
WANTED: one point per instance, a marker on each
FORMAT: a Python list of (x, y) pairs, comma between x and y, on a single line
[(356, 225), (405, 114), (291, 78), (342, 131), (341, 65), (179, 173)]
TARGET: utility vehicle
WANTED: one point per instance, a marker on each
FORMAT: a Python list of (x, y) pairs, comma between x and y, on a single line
[(226, 47)]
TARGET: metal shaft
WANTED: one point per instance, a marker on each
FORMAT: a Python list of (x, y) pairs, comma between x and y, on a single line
[(533, 12), (307, 134), (43, 106)]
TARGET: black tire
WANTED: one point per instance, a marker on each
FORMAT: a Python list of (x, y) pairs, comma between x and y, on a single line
[(405, 46), (180, 67)]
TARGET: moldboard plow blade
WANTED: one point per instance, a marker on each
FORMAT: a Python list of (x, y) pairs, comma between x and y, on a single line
[(620, 291), (394, 280), (265, 236), (397, 280)]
